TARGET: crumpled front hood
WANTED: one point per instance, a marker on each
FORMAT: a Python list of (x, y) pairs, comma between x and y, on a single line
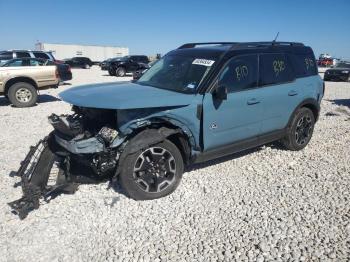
[(123, 96)]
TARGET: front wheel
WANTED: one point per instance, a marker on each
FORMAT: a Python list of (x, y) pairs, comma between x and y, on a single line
[(152, 173), (300, 130), (111, 72), (87, 66)]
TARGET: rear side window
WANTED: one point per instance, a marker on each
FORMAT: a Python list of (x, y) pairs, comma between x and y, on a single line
[(22, 54), (304, 64), (274, 69), (240, 73), (41, 55)]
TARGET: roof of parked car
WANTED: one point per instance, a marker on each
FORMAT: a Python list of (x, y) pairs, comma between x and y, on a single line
[(214, 50)]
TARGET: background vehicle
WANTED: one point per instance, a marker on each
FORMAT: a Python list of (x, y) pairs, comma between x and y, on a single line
[(21, 78), (64, 70), (325, 62), (11, 54), (138, 73), (197, 103), (341, 72), (105, 64), (127, 64), (81, 62)]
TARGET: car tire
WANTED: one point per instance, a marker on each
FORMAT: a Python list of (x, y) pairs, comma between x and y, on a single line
[(300, 130), (111, 72), (152, 173), (120, 72), (22, 94), (87, 66)]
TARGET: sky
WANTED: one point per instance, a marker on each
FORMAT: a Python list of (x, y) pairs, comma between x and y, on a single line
[(150, 27)]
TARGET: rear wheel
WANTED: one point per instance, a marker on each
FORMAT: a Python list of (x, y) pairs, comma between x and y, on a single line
[(152, 173), (120, 71), (22, 94), (300, 130)]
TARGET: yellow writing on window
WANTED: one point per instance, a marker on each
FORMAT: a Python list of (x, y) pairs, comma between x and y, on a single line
[(241, 72), (278, 66), (309, 63)]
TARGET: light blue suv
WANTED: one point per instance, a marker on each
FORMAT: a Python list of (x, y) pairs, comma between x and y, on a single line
[(199, 102)]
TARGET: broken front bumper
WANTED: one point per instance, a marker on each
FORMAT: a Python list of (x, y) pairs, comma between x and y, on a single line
[(85, 146)]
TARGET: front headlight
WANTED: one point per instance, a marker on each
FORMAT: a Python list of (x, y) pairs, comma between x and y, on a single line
[(345, 72)]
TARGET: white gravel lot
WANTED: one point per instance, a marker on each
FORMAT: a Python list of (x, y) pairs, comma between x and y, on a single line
[(262, 205)]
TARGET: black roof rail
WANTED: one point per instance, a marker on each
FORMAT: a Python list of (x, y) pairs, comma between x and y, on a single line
[(192, 45), (265, 44), (236, 45)]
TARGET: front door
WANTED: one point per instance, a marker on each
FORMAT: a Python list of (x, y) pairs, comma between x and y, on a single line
[(238, 117)]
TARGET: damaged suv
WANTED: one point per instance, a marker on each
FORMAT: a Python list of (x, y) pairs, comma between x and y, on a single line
[(199, 102)]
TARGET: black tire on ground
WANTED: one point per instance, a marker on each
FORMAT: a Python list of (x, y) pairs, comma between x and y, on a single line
[(22, 94), (300, 130), (87, 66), (120, 72), (146, 183), (111, 72)]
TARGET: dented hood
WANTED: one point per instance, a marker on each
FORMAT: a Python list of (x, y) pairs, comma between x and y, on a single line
[(123, 96)]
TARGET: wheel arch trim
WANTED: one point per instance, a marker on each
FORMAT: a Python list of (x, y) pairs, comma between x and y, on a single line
[(13, 80)]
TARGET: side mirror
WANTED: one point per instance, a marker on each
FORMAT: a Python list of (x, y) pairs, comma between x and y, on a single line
[(220, 92)]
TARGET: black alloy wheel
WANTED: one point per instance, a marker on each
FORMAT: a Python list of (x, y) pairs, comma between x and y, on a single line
[(155, 170)]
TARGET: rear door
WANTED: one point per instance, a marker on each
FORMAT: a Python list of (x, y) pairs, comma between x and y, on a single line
[(239, 117), (280, 91)]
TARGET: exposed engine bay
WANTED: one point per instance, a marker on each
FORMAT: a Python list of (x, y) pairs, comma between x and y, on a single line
[(82, 148)]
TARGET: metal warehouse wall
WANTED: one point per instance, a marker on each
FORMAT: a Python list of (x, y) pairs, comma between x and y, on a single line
[(95, 53)]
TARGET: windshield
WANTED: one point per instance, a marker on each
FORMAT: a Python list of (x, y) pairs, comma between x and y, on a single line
[(124, 58), (343, 65), (177, 73)]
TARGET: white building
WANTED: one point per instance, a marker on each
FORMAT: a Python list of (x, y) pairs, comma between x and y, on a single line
[(94, 52)]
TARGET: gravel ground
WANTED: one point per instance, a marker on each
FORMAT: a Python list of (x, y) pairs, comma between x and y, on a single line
[(261, 205)]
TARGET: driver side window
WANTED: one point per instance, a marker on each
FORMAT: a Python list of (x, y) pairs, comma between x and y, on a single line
[(240, 73)]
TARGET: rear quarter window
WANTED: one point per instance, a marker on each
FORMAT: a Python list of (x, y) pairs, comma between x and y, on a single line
[(274, 69), (304, 64)]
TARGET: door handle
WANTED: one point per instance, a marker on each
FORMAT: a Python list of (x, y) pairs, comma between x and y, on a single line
[(253, 101), (292, 93)]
